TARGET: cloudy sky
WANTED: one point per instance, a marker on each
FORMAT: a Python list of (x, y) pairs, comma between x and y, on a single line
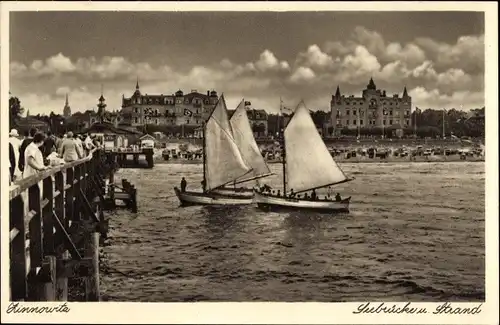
[(260, 56)]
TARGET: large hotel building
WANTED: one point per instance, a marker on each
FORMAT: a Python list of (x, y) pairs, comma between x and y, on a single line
[(175, 109), (373, 109)]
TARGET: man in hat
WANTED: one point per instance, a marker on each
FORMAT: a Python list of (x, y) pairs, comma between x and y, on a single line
[(15, 143)]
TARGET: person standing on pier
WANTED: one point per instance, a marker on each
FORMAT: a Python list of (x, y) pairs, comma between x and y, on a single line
[(12, 158), (16, 144), (79, 144), (183, 185), (49, 145), (69, 149), (27, 140), (33, 156)]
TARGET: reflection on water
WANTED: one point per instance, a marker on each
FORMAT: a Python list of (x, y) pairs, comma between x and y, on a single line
[(412, 234)]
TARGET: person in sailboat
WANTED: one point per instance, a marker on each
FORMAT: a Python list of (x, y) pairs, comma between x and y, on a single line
[(183, 185), (292, 194), (203, 186), (279, 193), (313, 195), (338, 198)]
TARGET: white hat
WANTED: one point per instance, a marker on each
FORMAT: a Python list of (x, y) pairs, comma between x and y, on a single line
[(13, 133)]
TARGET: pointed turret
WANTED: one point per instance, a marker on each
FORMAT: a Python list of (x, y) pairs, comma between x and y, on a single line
[(101, 106), (137, 92), (371, 85), (405, 93), (337, 93), (66, 109)]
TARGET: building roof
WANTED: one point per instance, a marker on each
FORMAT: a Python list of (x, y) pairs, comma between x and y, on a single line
[(109, 128)]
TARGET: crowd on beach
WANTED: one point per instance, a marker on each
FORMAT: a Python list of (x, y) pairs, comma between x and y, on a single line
[(38, 151)]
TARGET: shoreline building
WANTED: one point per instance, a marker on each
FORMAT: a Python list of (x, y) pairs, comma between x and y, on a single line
[(176, 109), (374, 109)]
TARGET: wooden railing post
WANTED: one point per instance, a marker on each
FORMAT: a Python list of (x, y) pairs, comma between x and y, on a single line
[(35, 242), (60, 212), (48, 280), (18, 256), (69, 197)]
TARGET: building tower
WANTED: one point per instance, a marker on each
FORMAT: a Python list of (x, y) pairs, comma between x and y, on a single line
[(66, 109), (101, 107)]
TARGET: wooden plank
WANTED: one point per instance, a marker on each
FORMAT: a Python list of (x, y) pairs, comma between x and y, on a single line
[(122, 196)]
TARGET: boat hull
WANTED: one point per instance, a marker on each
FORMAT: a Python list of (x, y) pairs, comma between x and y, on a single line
[(198, 198), (235, 192), (267, 202)]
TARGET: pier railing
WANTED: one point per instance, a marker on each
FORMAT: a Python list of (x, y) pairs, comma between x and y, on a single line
[(56, 221)]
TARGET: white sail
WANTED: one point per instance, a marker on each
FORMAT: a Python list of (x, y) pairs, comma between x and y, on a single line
[(243, 136), (223, 160), (308, 163)]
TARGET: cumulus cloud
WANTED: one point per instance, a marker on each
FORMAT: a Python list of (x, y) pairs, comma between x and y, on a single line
[(314, 57), (437, 73), (302, 74)]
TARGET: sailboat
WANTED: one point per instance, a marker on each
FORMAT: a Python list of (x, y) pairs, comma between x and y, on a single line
[(244, 139), (222, 162), (307, 165)]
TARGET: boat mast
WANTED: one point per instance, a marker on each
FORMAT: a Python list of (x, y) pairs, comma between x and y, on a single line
[(283, 157), (204, 157)]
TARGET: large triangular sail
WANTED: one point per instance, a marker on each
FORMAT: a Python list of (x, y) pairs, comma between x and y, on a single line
[(223, 160), (243, 136), (309, 165)]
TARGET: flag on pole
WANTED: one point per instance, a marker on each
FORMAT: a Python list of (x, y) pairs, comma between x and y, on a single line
[(188, 112)]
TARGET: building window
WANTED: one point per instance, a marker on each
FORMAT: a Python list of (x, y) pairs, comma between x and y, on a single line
[(397, 114), (136, 120), (136, 109), (360, 122), (383, 122), (390, 122), (407, 122), (346, 112), (390, 112), (179, 101), (354, 112), (353, 122), (347, 122), (187, 122)]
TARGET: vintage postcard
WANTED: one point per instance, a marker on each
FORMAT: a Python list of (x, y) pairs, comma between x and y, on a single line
[(249, 162)]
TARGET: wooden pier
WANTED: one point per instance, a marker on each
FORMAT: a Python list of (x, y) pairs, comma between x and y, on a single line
[(57, 224), (121, 157)]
